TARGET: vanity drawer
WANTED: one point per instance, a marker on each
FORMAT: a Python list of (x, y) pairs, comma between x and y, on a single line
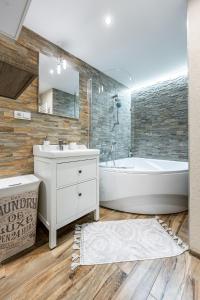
[(74, 172), (73, 200)]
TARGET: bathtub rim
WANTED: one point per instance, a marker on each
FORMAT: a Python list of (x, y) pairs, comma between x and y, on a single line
[(132, 171), (126, 170)]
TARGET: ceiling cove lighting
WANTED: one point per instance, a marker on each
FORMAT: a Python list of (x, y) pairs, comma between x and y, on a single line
[(169, 76)]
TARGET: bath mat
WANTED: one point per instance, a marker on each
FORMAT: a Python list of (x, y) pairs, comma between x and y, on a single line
[(124, 240)]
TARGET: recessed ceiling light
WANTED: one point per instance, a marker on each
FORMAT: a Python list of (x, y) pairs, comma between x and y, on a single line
[(51, 71), (108, 20)]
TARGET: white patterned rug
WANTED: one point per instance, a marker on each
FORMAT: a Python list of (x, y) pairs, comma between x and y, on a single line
[(126, 240)]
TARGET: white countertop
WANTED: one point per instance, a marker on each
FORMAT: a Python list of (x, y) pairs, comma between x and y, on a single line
[(52, 151)]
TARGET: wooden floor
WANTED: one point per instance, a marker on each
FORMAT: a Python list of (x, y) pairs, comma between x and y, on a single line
[(43, 274)]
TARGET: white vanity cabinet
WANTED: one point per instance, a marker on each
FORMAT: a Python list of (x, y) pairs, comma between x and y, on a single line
[(69, 188)]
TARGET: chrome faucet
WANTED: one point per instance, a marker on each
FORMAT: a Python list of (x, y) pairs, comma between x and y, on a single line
[(130, 152), (61, 145)]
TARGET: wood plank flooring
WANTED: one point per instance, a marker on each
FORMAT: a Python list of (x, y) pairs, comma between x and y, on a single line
[(40, 273)]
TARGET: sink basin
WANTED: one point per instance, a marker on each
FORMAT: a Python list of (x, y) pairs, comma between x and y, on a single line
[(52, 151)]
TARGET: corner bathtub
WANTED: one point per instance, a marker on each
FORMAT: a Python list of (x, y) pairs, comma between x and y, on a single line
[(144, 186)]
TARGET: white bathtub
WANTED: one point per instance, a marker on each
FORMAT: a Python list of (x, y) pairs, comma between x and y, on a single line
[(144, 186)]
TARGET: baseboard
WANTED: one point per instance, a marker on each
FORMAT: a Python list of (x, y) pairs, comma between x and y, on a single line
[(197, 255)]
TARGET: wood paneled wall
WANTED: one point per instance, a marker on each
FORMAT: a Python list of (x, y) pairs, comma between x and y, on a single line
[(17, 137)]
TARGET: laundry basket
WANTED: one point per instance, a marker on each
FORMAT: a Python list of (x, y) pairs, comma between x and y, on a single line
[(18, 214)]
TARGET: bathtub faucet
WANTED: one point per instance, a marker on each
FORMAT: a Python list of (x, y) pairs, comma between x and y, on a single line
[(130, 152), (102, 148)]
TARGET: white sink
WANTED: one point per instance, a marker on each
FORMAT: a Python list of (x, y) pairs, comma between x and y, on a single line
[(52, 151)]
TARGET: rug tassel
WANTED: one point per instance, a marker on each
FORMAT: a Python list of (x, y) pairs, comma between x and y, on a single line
[(77, 232), (75, 257), (159, 220), (185, 246), (77, 240), (74, 266), (78, 227), (170, 232), (179, 242), (76, 247)]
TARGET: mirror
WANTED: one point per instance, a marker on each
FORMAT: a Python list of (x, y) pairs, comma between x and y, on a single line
[(58, 87)]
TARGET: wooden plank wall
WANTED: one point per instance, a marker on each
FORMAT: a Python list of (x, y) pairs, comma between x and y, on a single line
[(17, 137)]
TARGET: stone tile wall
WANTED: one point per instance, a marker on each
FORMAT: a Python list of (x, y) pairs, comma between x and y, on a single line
[(65, 104), (159, 117), (103, 116)]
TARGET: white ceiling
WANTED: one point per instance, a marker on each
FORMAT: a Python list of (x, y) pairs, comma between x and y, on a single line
[(147, 38), (12, 15)]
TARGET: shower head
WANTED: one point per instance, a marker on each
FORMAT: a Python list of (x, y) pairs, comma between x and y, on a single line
[(118, 103)]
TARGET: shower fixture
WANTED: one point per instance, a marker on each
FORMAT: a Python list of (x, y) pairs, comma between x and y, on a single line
[(117, 101), (118, 105)]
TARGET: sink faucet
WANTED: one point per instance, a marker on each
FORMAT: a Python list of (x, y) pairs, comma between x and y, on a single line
[(60, 145)]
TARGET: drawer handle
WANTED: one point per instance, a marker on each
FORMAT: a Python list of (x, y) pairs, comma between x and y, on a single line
[(80, 171), (80, 194)]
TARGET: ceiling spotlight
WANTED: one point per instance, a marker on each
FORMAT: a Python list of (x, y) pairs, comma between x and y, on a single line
[(51, 71), (108, 20), (130, 78), (64, 64)]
